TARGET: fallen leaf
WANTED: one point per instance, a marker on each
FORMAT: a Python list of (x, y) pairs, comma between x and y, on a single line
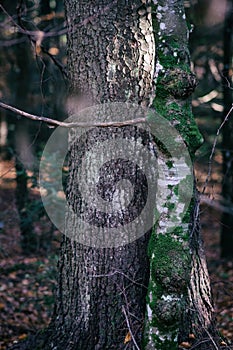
[(22, 336), (127, 338), (223, 343), (191, 336), (185, 345)]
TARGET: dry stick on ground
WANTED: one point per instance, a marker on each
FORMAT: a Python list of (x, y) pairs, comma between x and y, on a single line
[(53, 122)]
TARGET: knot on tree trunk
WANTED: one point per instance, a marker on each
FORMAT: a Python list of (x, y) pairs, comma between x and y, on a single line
[(178, 82), (168, 309)]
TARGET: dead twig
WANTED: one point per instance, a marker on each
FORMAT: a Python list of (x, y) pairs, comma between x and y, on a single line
[(129, 328), (54, 122), (110, 274), (213, 149)]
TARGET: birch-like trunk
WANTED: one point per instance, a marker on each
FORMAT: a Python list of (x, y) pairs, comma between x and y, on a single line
[(179, 303)]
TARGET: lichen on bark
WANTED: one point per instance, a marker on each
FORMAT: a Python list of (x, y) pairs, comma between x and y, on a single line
[(170, 249)]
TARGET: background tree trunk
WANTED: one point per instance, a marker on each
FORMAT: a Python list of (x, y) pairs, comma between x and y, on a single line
[(24, 151), (227, 142)]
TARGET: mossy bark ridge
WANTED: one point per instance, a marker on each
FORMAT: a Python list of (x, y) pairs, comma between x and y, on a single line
[(179, 302)]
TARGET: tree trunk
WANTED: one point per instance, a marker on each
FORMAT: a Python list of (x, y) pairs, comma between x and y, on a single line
[(102, 289), (179, 302), (24, 157), (227, 142)]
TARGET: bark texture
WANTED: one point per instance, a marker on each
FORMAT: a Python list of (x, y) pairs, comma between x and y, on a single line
[(110, 51), (179, 302), (100, 302), (227, 143), (24, 156)]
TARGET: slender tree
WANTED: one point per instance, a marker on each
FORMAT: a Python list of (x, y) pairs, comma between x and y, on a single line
[(24, 154), (179, 302), (227, 143)]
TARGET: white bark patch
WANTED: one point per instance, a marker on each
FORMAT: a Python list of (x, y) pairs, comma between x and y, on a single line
[(162, 8), (171, 206), (147, 46), (161, 336), (170, 297), (149, 312), (162, 26), (158, 68)]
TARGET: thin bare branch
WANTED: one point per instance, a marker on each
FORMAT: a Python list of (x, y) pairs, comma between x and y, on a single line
[(55, 61), (38, 35), (220, 205), (129, 328), (54, 122), (110, 274), (9, 43), (213, 149), (33, 33)]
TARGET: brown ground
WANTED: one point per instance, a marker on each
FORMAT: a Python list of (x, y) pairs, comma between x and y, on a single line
[(26, 282), (221, 271)]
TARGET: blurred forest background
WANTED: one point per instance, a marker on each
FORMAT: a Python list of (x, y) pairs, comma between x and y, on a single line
[(33, 78)]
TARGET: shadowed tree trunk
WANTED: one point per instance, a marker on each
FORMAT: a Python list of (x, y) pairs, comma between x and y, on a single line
[(24, 157), (227, 143)]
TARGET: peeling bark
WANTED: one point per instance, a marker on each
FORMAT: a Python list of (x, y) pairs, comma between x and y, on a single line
[(110, 51)]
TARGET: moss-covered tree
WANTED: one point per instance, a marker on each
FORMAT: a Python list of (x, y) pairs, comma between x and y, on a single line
[(179, 303)]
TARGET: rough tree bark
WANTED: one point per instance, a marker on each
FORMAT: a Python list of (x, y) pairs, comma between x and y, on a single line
[(179, 302), (24, 156), (113, 55), (110, 58), (227, 143)]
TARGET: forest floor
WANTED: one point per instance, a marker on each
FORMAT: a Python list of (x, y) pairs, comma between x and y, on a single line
[(220, 270), (27, 281)]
